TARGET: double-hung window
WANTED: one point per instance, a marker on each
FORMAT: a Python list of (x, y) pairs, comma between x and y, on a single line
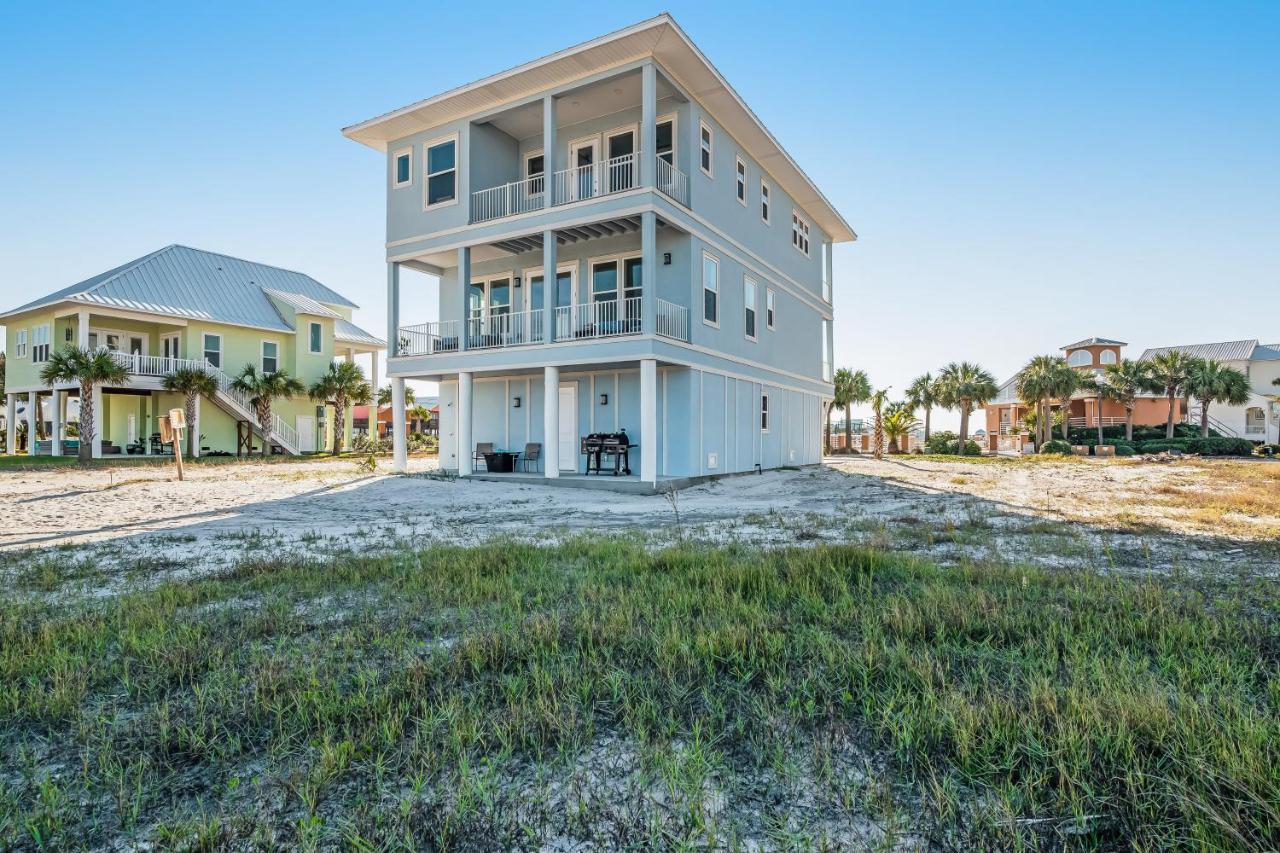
[(213, 349), (764, 412), (764, 202), (441, 181), (40, 344), (270, 357), (317, 341), (799, 233), (749, 308), (741, 187), (768, 309), (704, 154), (710, 290), (20, 344), (402, 168)]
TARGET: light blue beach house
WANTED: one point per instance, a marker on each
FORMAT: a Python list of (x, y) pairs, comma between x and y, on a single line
[(621, 246)]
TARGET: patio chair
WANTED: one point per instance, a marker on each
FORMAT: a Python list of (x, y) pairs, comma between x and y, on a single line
[(532, 456), (482, 447)]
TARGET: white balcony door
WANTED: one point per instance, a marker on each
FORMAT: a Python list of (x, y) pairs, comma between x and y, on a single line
[(569, 427), (583, 156), (169, 346)]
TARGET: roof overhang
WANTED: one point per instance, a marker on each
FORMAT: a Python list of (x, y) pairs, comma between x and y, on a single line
[(660, 38)]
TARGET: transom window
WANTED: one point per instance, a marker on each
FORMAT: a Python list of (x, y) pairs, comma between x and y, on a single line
[(270, 356), (402, 165), (749, 308), (317, 341), (710, 290), (799, 233), (764, 202), (705, 138), (741, 187), (441, 172), (768, 309), (213, 349)]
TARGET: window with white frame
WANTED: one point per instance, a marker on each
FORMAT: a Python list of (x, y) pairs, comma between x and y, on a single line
[(799, 233), (20, 344), (741, 189), (402, 168), (768, 309), (710, 290), (764, 412), (749, 307), (441, 183), (764, 202), (213, 349), (826, 350), (1080, 358), (40, 344), (705, 141), (1107, 356), (317, 339), (270, 357)]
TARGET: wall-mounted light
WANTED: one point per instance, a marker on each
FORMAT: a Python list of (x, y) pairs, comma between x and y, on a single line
[(516, 281), (604, 399), (666, 259), (515, 402)]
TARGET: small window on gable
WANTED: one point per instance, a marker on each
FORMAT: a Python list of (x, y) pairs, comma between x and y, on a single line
[(741, 188), (764, 201), (402, 165), (799, 233), (705, 153), (764, 412), (710, 290), (768, 309), (441, 172), (317, 341), (270, 356)]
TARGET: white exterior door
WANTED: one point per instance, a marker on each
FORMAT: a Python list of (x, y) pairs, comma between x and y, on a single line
[(306, 427), (169, 346), (569, 427)]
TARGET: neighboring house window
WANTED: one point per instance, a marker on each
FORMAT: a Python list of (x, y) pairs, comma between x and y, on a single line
[(768, 309), (270, 356), (1255, 421), (799, 233), (441, 171), (764, 202), (705, 153), (741, 189), (213, 349), (317, 342), (749, 308), (40, 344), (402, 163), (1107, 356), (826, 350), (764, 412), (710, 290), (1080, 358), (20, 344)]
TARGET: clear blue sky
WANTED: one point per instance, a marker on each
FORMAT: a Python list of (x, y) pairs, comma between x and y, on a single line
[(1021, 175)]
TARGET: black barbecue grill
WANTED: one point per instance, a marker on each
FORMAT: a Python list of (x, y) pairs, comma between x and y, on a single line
[(614, 447)]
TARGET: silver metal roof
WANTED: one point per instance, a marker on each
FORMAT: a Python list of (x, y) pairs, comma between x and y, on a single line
[(345, 330), (1225, 351), (1095, 342), (301, 304), (180, 281)]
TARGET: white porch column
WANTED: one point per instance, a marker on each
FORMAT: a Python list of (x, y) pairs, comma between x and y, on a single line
[(57, 421), (152, 423), (649, 272), (399, 445), (82, 329), (97, 422), (393, 308), (195, 431), (33, 405), (551, 421), (11, 423), (548, 150), (373, 384), (648, 420), (648, 123), (548, 286), (464, 286), (466, 448)]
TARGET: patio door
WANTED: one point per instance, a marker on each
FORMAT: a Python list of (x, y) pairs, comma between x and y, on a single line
[(169, 346), (585, 180), (568, 426)]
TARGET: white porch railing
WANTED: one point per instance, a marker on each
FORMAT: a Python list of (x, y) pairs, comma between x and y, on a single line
[(1092, 422), (505, 330), (673, 320), (428, 338), (153, 365), (602, 319), (673, 182), (508, 199), (597, 179)]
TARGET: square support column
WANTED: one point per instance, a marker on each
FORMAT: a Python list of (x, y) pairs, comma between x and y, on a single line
[(466, 447), (11, 423), (648, 123), (194, 431), (464, 284), (152, 424), (399, 445), (548, 150), (33, 406), (551, 421), (548, 286), (393, 308), (649, 272), (648, 420), (82, 329), (96, 445), (57, 421)]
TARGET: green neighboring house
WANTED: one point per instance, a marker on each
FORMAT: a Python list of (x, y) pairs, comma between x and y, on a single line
[(179, 307)]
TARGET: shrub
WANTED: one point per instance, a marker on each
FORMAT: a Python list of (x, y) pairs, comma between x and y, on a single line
[(1220, 446), (1057, 447), (1125, 450), (1163, 445), (1268, 449), (938, 441)]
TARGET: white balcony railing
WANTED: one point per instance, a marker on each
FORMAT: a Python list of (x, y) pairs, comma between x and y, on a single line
[(605, 318), (673, 182), (153, 365), (673, 320), (508, 199), (505, 330), (1106, 421), (428, 338), (597, 179)]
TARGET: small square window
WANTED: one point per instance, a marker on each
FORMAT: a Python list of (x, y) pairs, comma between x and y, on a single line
[(402, 164)]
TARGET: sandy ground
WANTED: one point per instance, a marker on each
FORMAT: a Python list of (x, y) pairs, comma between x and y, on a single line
[(1056, 514)]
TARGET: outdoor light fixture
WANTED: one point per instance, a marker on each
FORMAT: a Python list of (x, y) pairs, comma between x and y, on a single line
[(515, 403), (516, 281), (666, 259), (604, 399)]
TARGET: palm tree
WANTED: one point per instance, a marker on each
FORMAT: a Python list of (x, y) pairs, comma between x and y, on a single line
[(1036, 387), (1211, 381), (262, 389), (384, 396), (877, 400), (193, 383), (1067, 381), (922, 394), (858, 388), (90, 368), (965, 386), (1169, 372), (422, 415), (899, 422), (1123, 382), (343, 383)]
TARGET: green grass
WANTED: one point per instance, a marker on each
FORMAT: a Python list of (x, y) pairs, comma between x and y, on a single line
[(511, 696)]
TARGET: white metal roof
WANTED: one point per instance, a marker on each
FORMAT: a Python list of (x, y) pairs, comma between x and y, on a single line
[(1095, 342), (348, 332), (659, 37), (1225, 351), (301, 304)]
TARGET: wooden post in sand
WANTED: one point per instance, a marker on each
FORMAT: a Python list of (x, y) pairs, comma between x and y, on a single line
[(172, 427)]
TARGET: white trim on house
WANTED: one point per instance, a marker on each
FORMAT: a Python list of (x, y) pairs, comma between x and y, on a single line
[(715, 321), (396, 183), (427, 175)]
